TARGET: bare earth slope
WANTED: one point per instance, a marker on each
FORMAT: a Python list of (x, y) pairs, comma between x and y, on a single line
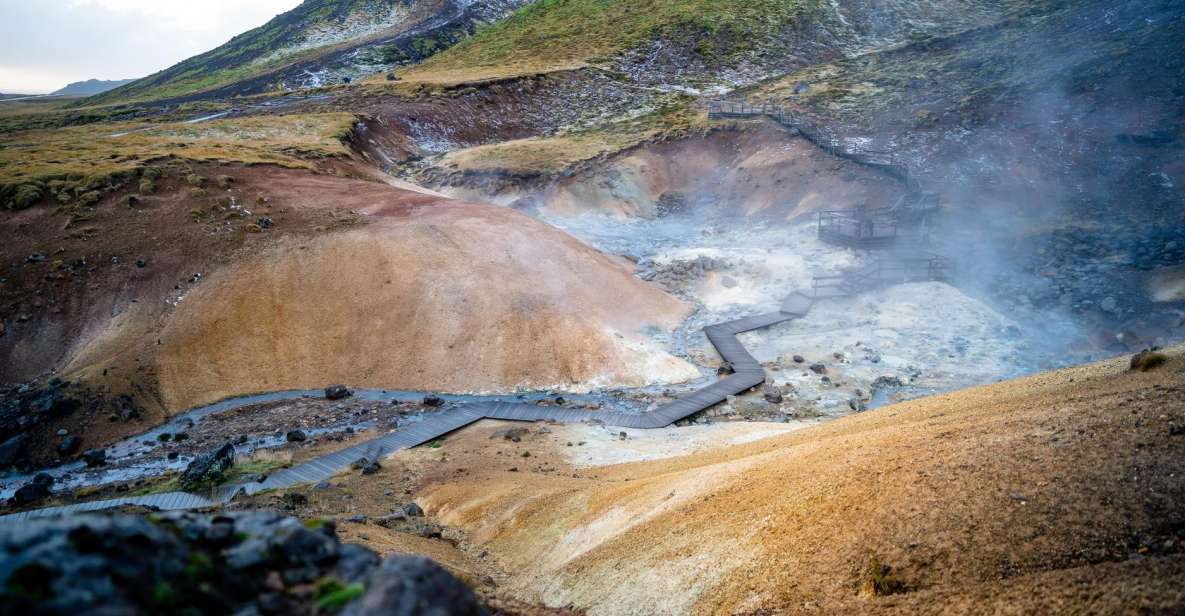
[(1058, 492), (432, 295)]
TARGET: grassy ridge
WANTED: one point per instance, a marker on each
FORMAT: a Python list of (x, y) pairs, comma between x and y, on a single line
[(559, 153), (63, 163), (552, 34)]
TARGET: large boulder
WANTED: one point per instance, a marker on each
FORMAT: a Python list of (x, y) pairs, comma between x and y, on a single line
[(337, 392), (12, 451), (414, 586), (35, 491), (95, 457), (210, 468), (227, 563)]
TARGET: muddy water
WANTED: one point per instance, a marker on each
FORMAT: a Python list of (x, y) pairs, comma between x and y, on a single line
[(932, 337)]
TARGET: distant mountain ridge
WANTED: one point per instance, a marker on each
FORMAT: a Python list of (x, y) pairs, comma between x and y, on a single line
[(90, 87), (317, 43)]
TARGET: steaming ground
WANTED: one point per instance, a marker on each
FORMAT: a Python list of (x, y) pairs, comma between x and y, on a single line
[(896, 343)]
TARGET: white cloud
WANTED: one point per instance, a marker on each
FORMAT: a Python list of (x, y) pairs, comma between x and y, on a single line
[(198, 15), (44, 45)]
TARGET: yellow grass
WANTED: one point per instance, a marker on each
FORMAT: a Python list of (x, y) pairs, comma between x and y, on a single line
[(95, 150), (542, 154)]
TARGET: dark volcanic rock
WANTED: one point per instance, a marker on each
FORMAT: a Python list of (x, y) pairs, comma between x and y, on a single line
[(244, 562), (411, 586), (34, 491), (367, 466), (773, 394), (296, 436), (12, 450), (337, 392), (69, 445), (433, 401), (295, 500), (209, 468), (95, 457)]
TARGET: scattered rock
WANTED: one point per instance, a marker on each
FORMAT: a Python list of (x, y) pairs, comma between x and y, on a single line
[(337, 392), (413, 510), (35, 491), (772, 394), (210, 468), (69, 445), (512, 434), (433, 401), (296, 436), (367, 466), (95, 457), (856, 404), (886, 381), (818, 368), (798, 359)]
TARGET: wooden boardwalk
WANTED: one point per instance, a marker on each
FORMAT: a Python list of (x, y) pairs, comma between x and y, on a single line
[(747, 373)]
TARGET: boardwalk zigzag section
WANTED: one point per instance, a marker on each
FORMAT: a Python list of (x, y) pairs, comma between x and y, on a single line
[(747, 373)]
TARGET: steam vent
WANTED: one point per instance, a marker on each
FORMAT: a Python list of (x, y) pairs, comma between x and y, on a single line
[(592, 307)]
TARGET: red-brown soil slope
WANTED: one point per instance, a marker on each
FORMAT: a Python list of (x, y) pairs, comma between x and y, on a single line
[(180, 296), (1062, 492), (433, 294)]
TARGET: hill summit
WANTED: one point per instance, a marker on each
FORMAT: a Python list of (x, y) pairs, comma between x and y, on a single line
[(318, 43)]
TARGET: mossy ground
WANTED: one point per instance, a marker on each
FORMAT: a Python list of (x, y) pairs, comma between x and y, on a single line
[(560, 34), (559, 153)]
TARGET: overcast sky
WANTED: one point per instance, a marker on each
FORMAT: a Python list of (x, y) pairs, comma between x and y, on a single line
[(45, 44)]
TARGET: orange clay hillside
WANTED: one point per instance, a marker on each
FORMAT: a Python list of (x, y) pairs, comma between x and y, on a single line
[(1057, 492)]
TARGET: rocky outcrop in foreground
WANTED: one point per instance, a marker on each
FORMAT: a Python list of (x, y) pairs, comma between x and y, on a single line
[(236, 563)]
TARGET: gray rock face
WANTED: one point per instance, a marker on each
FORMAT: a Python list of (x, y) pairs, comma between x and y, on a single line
[(243, 562)]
